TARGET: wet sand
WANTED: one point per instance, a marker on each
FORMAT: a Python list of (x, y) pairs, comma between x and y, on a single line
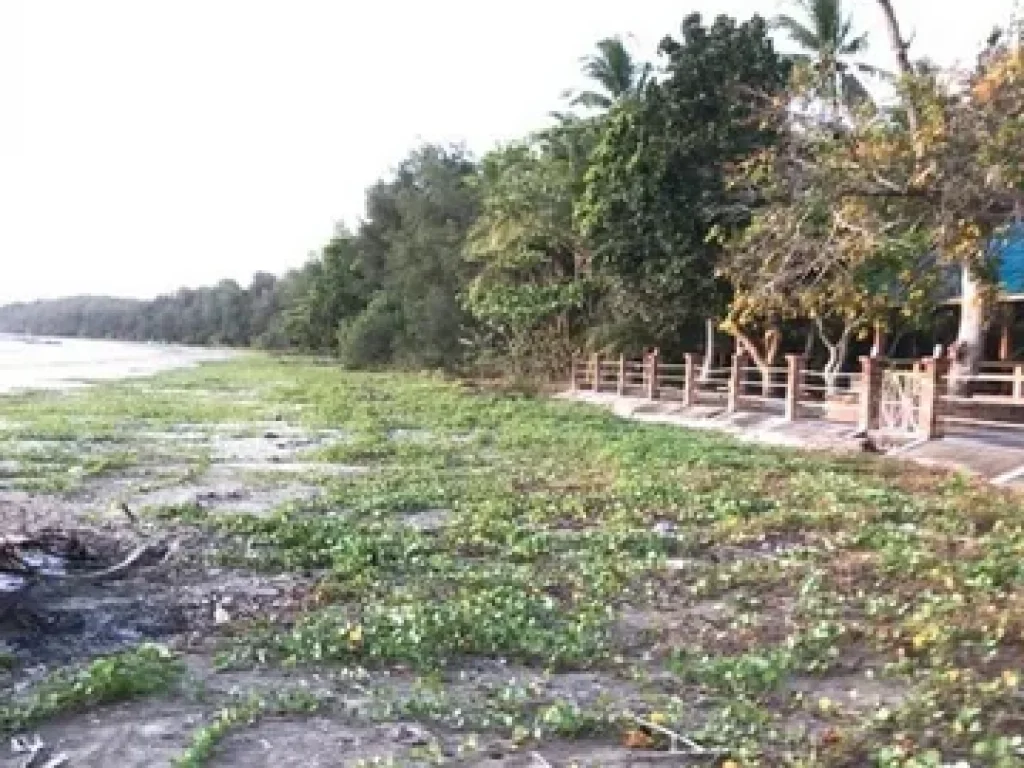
[(39, 363)]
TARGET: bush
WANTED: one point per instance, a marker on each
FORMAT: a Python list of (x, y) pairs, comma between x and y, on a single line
[(368, 339)]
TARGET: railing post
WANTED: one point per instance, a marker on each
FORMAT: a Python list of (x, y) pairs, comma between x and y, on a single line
[(622, 375), (652, 375), (870, 393), (794, 376), (735, 383), (595, 362), (1006, 323), (572, 373), (1018, 382), (931, 392), (689, 379)]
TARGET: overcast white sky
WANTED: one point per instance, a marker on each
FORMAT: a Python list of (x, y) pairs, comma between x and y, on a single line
[(148, 144)]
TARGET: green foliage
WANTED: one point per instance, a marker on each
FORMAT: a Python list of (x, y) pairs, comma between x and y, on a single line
[(657, 186), (531, 284), (389, 294), (239, 715), (831, 47), (329, 288), (503, 620), (617, 72), (368, 339), (145, 670)]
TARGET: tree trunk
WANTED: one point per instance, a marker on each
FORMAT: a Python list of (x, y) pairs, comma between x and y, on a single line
[(836, 358), (710, 329), (763, 360), (899, 48), (969, 348), (837, 351)]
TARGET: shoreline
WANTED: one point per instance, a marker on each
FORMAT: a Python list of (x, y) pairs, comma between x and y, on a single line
[(35, 363)]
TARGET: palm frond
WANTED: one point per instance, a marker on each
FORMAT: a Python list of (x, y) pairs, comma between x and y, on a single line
[(592, 100), (852, 47), (853, 90), (798, 33), (615, 69), (873, 71), (826, 18), (643, 77)]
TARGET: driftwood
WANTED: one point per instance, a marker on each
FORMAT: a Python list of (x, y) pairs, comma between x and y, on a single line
[(692, 748), (45, 555), (14, 560)]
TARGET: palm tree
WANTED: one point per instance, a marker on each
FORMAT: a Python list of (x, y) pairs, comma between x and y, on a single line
[(618, 73), (827, 35)]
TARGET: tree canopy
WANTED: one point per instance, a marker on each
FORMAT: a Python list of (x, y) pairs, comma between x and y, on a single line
[(826, 34), (657, 181), (615, 71), (701, 189)]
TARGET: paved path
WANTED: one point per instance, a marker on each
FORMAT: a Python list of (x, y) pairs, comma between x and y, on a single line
[(994, 454), (767, 428), (997, 455)]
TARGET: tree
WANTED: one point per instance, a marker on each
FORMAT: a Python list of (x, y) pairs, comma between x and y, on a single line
[(657, 183), (857, 222), (412, 243), (329, 289), (221, 314), (389, 293), (813, 252), (532, 290), (616, 71), (830, 46), (964, 156)]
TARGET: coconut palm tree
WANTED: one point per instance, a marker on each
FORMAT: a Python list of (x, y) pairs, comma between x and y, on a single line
[(615, 70), (830, 45)]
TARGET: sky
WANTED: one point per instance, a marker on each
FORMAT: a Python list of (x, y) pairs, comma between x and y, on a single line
[(150, 144)]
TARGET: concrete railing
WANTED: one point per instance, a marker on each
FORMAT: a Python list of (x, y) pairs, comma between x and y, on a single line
[(913, 398)]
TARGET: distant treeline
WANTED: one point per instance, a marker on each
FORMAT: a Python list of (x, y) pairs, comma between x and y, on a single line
[(225, 314), (391, 293)]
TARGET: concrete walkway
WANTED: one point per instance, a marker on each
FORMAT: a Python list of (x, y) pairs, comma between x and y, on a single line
[(766, 428), (996, 455)]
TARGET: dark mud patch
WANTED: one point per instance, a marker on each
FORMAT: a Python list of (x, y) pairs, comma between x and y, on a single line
[(48, 628), (58, 623)]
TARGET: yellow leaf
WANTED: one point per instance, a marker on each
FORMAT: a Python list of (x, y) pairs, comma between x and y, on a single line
[(355, 634), (731, 764), (658, 718), (637, 740), (1010, 679)]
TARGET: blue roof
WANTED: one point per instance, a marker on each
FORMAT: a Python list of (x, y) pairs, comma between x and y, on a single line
[(1009, 249)]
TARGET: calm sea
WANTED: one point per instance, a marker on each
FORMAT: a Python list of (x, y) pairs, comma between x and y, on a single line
[(35, 363)]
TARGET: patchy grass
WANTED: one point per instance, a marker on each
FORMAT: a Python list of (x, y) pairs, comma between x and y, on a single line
[(776, 589), (238, 715), (144, 671)]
